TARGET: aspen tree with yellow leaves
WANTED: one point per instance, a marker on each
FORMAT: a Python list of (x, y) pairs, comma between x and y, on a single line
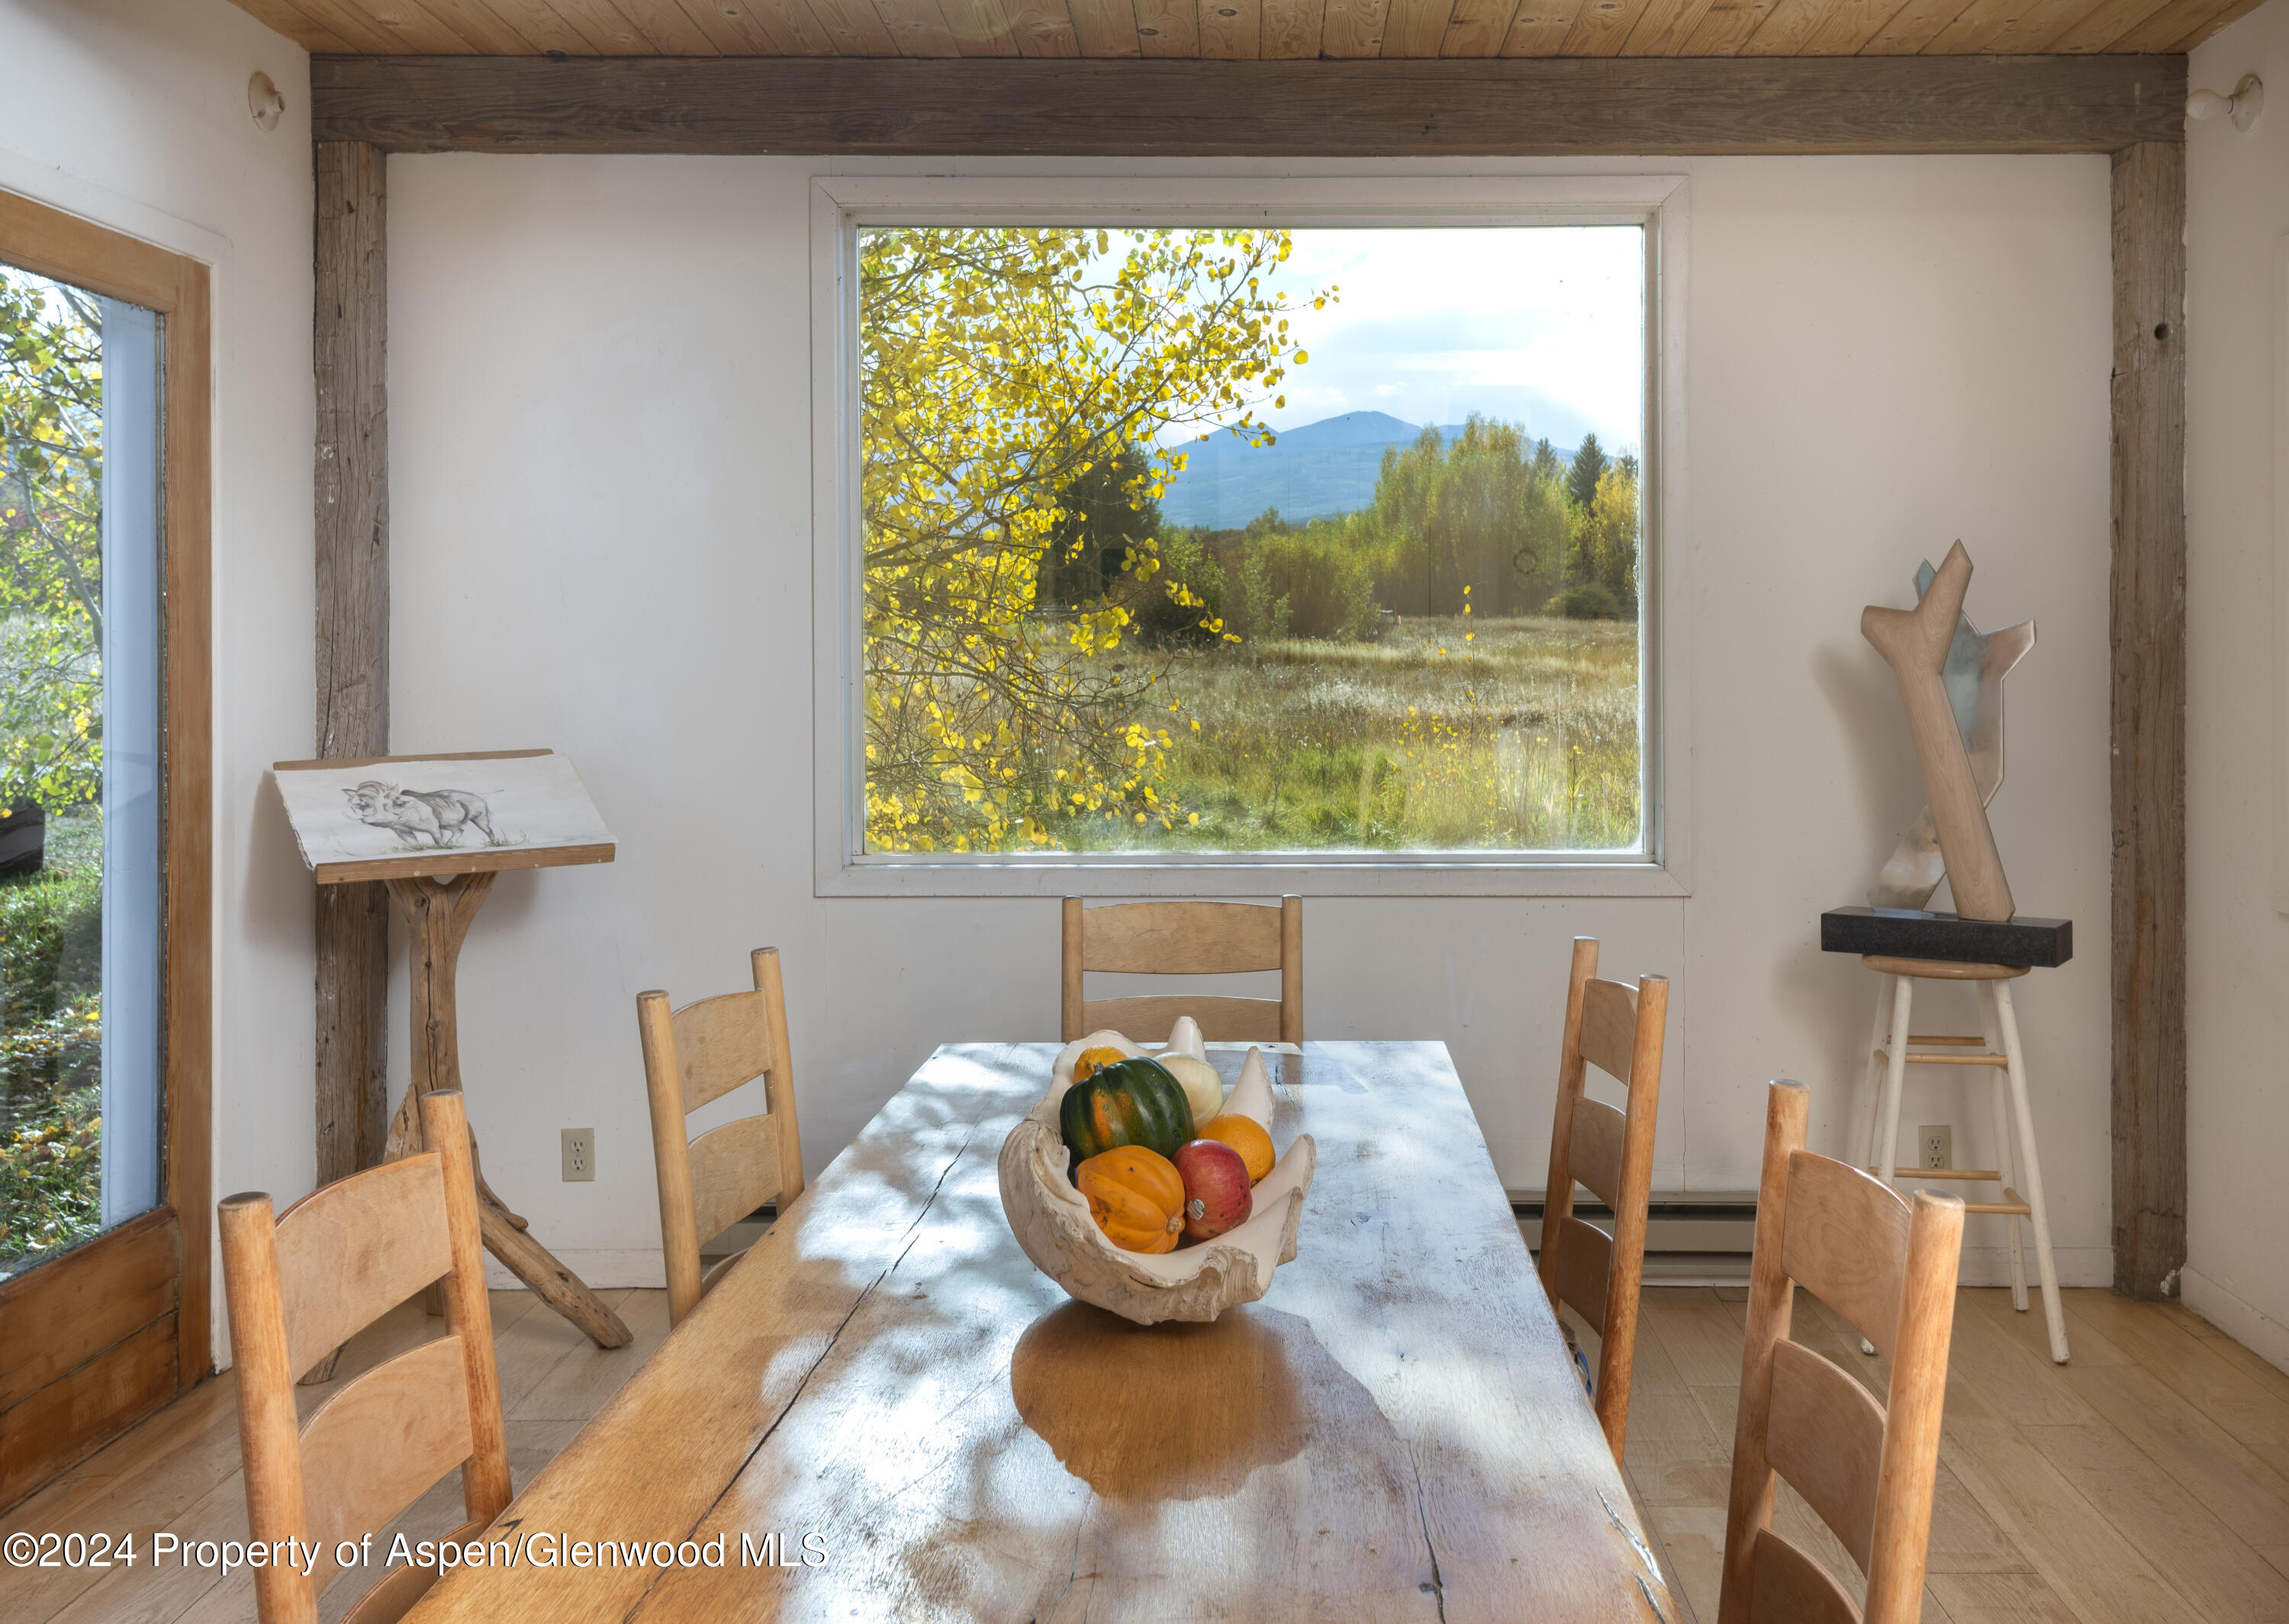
[(997, 367), (51, 544), (1607, 535)]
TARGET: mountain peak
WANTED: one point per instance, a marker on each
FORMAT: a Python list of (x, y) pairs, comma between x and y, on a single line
[(1312, 470)]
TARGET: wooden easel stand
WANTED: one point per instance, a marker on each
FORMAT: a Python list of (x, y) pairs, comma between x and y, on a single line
[(438, 913)]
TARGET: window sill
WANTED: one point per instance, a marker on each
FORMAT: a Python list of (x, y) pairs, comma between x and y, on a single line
[(1301, 874)]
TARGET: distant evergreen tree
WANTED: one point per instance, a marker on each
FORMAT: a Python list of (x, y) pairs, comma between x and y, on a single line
[(1185, 600), (1582, 478), (1108, 510)]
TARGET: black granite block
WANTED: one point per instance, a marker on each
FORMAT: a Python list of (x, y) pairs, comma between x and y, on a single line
[(1900, 933)]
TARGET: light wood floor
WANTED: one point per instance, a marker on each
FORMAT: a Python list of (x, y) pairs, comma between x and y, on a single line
[(2145, 1482), (179, 1471)]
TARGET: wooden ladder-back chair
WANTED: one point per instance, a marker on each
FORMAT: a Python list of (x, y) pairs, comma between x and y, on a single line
[(1187, 939), (1888, 1266), (302, 1285), (1619, 1030), (700, 1052)]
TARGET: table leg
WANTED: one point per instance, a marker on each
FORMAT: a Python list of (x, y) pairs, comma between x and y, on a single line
[(439, 914)]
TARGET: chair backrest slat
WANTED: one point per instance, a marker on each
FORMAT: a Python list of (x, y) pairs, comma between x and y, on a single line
[(1222, 1020), (698, 1054), (351, 1251), (1180, 938), (1791, 1587), (1599, 1132), (420, 1397), (1826, 1437), (1610, 1027), (1585, 1268), (1185, 938), (1620, 1030), (1845, 1241), (339, 1259), (721, 1043), (1889, 1267), (735, 1169)]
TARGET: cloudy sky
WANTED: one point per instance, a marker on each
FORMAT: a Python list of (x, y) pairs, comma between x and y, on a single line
[(1542, 326)]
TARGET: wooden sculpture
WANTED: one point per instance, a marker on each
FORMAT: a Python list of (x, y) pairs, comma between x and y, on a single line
[(1977, 662), (1916, 643)]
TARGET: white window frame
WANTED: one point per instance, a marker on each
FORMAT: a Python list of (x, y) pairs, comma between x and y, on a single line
[(842, 204)]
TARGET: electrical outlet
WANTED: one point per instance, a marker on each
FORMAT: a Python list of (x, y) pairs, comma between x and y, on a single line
[(1934, 1146), (580, 1154)]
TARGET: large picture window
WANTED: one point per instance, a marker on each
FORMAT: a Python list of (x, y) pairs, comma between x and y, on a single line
[(1169, 539)]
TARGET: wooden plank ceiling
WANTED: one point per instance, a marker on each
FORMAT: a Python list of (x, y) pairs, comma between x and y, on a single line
[(1232, 29)]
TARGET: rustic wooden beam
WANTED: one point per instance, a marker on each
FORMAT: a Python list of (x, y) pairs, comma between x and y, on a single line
[(1770, 104), (2147, 633), (353, 665)]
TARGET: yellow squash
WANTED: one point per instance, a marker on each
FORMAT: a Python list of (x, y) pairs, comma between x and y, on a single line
[(1089, 1061)]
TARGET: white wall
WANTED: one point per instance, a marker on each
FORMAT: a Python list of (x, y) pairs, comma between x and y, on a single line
[(2238, 941), (600, 534), (133, 114)]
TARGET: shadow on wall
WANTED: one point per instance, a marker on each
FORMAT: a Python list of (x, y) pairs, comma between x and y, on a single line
[(1876, 751)]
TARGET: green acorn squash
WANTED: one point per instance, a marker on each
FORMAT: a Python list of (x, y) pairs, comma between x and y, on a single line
[(1138, 1101)]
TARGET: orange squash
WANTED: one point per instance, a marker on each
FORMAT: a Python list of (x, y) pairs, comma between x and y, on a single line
[(1137, 1196)]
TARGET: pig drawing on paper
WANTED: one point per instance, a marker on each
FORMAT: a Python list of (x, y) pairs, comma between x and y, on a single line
[(418, 818)]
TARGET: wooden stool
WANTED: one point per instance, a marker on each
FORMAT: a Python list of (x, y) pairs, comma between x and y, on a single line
[(1896, 1048)]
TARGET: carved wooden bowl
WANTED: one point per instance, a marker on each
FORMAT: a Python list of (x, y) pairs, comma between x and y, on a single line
[(1051, 1219)]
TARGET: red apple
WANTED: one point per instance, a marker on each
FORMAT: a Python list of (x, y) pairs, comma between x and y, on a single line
[(1216, 1188)]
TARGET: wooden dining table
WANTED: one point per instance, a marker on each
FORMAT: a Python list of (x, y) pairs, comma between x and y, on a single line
[(884, 1412)]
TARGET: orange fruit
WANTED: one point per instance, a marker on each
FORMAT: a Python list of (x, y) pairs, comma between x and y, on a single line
[(1087, 1064), (1244, 1135)]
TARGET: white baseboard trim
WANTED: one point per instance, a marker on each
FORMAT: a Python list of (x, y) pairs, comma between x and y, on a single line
[(2250, 1326), (2077, 1266), (604, 1268)]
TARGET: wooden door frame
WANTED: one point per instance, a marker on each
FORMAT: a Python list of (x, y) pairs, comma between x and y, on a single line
[(2129, 107), (106, 1363)]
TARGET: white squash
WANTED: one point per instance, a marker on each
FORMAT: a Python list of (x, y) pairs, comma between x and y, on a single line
[(1251, 1096), (1185, 1038), (1203, 1087)]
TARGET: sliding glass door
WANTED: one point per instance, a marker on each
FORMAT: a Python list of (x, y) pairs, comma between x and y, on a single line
[(106, 796)]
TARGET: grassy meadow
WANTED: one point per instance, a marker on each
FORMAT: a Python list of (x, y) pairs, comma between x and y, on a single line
[(1444, 733)]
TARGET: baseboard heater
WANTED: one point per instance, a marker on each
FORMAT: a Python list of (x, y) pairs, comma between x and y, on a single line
[(1690, 1236)]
